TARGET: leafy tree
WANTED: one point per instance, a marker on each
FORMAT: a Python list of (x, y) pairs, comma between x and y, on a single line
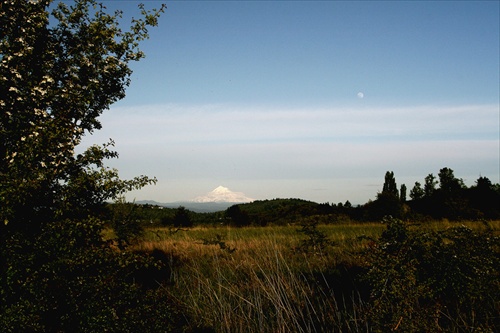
[(448, 183), (451, 196), (416, 192), (58, 75), (237, 216), (430, 185), (58, 72), (484, 184), (125, 220), (182, 218), (484, 198)]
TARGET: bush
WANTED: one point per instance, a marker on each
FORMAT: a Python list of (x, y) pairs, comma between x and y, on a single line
[(126, 223), (67, 279), (316, 242), (434, 281)]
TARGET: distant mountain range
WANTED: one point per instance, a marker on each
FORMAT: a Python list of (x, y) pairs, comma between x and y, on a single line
[(217, 200)]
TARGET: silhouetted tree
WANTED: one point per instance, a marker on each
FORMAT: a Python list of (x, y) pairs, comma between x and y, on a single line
[(237, 216), (448, 183), (450, 200), (485, 199), (430, 185), (182, 218), (402, 193), (387, 202), (416, 192), (390, 186)]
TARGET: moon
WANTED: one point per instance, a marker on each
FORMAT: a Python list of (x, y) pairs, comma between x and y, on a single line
[(361, 95)]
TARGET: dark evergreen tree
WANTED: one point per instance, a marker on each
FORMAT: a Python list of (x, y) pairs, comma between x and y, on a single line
[(387, 202), (390, 186), (402, 193)]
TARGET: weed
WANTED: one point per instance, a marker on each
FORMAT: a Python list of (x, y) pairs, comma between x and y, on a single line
[(317, 241), (218, 239)]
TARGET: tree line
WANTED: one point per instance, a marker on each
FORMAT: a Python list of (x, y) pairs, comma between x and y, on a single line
[(444, 196), (441, 197)]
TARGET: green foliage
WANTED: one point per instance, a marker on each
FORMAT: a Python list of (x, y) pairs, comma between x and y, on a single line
[(182, 218), (434, 281), (47, 62), (281, 211), (484, 199), (316, 242), (68, 279), (237, 216), (126, 223), (58, 72)]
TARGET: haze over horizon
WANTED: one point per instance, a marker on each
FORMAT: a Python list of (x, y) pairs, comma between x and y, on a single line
[(309, 99)]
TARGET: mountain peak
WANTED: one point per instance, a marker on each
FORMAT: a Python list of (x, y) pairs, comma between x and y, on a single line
[(221, 189), (223, 194)]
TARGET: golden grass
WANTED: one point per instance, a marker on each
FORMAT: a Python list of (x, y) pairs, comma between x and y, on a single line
[(254, 279), (262, 285)]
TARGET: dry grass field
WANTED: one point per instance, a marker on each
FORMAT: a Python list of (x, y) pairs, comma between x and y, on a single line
[(262, 279)]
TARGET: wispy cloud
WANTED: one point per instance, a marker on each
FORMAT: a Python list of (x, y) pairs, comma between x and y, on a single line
[(231, 143), (227, 124)]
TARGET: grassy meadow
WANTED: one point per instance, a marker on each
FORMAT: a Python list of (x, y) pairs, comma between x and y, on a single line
[(272, 279)]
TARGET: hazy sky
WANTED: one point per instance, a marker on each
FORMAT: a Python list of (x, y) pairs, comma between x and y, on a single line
[(309, 99)]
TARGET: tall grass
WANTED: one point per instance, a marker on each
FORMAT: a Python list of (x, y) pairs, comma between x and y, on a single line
[(265, 284), (257, 280)]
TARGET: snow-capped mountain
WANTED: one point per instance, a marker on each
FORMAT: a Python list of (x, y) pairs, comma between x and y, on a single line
[(223, 194)]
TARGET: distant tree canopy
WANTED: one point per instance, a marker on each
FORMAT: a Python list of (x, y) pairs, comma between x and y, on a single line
[(479, 201), (452, 199)]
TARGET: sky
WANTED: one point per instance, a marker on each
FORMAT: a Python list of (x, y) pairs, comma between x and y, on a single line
[(309, 99)]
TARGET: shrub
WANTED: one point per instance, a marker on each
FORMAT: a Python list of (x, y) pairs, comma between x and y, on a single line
[(68, 280), (434, 281), (316, 242)]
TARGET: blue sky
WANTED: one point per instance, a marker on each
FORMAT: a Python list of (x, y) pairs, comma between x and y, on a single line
[(309, 99)]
